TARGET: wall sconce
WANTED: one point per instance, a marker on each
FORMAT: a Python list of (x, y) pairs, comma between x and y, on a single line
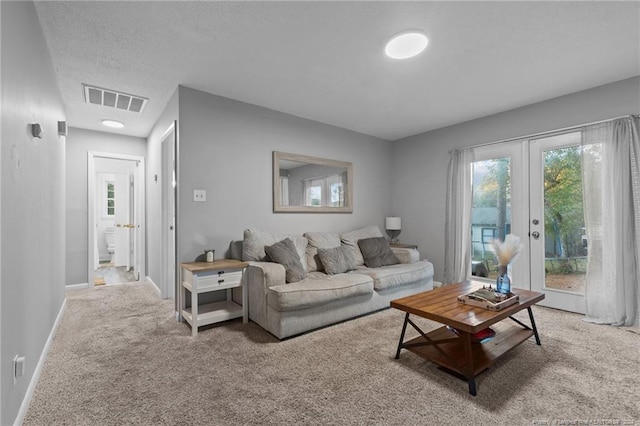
[(62, 128), (37, 131), (393, 225)]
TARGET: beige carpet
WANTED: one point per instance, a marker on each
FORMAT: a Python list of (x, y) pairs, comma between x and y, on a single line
[(119, 357)]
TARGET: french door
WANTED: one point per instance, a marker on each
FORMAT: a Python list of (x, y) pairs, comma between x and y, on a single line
[(532, 189), (557, 230)]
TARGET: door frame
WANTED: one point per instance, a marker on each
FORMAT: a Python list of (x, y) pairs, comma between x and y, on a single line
[(140, 230), (170, 276)]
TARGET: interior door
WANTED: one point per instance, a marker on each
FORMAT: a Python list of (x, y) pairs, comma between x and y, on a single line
[(557, 237), (122, 201)]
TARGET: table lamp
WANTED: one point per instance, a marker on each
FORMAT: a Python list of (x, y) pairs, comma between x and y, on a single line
[(393, 225)]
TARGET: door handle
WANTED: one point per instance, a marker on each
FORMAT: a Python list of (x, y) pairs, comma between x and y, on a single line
[(535, 235)]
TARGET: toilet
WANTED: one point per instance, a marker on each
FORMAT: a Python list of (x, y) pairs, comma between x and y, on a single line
[(109, 236)]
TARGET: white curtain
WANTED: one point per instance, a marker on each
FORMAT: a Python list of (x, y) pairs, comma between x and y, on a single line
[(284, 190), (611, 152), (457, 256)]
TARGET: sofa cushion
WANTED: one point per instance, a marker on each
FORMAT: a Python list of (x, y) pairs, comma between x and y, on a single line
[(284, 252), (319, 240), (351, 239), (387, 277), (405, 255), (317, 289), (336, 260), (376, 252), (255, 241)]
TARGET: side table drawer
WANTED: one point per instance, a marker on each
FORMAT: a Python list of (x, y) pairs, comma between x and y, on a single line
[(218, 279)]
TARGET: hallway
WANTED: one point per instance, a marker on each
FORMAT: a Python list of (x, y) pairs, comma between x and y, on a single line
[(107, 274)]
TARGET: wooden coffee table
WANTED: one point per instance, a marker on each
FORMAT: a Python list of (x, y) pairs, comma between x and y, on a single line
[(455, 352)]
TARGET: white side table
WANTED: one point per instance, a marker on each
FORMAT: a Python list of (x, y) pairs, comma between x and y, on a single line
[(203, 277)]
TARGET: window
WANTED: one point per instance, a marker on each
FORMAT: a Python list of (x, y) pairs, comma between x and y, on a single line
[(325, 191), (110, 199)]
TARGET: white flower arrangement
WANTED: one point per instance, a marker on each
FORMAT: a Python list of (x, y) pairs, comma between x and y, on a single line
[(508, 250)]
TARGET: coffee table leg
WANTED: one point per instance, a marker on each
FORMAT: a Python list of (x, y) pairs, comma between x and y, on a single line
[(404, 329), (471, 380), (472, 387), (533, 326)]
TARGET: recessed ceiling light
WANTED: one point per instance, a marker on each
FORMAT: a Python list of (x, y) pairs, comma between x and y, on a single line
[(113, 123), (406, 44)]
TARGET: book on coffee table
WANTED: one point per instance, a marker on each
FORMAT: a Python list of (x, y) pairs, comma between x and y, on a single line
[(488, 298)]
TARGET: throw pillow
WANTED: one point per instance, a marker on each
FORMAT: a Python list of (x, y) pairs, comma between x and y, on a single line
[(376, 252), (255, 241), (351, 240), (319, 240), (284, 253), (336, 260)]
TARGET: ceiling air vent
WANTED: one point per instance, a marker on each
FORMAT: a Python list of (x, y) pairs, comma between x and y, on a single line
[(112, 98)]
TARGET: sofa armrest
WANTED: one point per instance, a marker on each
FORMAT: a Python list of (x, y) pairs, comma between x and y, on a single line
[(265, 274), (406, 255), (261, 276)]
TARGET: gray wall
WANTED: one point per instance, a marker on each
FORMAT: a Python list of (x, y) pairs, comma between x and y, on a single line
[(226, 149), (79, 143), (33, 191), (420, 162), (154, 190)]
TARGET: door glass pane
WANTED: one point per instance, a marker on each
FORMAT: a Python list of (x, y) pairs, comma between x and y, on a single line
[(565, 243), (491, 212)]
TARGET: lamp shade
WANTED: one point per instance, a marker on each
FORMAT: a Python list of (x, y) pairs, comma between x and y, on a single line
[(393, 223)]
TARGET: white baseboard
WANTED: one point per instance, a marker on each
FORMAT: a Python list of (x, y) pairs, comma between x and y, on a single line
[(36, 374), (76, 286), (148, 278)]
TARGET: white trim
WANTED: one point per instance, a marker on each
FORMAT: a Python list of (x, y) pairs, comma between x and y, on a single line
[(70, 287), (171, 128), (36, 374), (80, 286), (155, 286)]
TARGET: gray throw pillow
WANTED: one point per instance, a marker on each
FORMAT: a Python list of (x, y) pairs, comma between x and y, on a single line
[(376, 252), (336, 260), (350, 239), (284, 252)]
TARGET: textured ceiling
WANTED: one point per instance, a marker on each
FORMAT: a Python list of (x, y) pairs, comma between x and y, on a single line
[(324, 60)]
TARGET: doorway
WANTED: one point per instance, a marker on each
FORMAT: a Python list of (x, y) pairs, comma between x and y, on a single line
[(533, 189), (115, 218)]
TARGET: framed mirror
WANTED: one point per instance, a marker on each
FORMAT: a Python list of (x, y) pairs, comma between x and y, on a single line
[(303, 184)]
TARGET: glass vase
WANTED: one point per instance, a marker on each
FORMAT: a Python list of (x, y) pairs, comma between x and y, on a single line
[(503, 283)]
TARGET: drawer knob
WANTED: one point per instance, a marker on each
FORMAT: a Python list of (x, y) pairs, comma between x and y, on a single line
[(220, 281)]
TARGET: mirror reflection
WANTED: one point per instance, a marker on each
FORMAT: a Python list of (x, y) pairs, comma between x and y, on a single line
[(311, 184)]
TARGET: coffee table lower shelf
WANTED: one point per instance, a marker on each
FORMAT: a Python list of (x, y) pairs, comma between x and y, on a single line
[(452, 355)]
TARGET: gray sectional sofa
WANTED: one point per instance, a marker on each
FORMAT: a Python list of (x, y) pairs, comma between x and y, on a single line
[(320, 299)]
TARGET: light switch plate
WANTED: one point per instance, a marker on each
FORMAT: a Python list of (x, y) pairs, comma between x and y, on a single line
[(199, 195)]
